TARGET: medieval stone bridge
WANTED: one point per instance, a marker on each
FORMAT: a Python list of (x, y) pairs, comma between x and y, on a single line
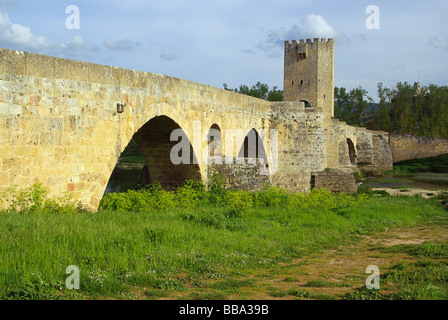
[(64, 124)]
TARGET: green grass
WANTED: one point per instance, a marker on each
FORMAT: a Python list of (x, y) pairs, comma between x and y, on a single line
[(132, 157), (426, 279), (324, 284), (176, 241)]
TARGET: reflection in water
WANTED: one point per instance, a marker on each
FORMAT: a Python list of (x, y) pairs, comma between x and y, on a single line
[(123, 179)]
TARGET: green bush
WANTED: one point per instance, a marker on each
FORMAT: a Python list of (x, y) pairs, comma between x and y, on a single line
[(323, 199), (238, 203), (216, 191), (190, 194), (35, 199), (271, 197), (138, 200)]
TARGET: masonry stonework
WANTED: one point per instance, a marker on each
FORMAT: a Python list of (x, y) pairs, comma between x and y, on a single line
[(61, 126), (410, 147)]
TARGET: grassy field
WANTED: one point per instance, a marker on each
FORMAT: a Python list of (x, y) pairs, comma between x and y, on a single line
[(132, 157), (197, 244)]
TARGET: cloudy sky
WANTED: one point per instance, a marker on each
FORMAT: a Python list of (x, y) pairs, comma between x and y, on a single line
[(237, 41)]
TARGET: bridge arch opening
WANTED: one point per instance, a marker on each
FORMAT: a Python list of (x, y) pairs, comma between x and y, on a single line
[(253, 148), (159, 155), (214, 138), (351, 151)]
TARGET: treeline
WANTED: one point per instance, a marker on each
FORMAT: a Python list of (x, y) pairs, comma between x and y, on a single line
[(403, 109), (259, 90)]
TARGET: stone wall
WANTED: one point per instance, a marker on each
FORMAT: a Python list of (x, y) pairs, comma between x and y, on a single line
[(410, 147), (60, 125), (301, 144), (334, 180), (240, 174)]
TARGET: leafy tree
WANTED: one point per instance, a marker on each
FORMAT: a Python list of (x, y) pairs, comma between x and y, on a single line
[(381, 118), (351, 107), (401, 109), (341, 103), (275, 94), (259, 90)]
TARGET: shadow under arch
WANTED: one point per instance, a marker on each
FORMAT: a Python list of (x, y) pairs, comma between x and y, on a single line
[(351, 151), (154, 143), (253, 147)]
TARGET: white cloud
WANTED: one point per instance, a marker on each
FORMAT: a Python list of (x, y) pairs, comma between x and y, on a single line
[(315, 26), (121, 45), (20, 37), (311, 26), (168, 56), (439, 42)]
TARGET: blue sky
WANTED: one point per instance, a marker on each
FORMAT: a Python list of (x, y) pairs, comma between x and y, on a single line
[(238, 41)]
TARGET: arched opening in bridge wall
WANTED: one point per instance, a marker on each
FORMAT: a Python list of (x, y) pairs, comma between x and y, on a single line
[(253, 148), (351, 151), (214, 138), (162, 155), (307, 104), (130, 172), (168, 162)]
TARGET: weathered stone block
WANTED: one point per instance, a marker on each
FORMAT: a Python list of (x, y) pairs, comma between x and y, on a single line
[(334, 180)]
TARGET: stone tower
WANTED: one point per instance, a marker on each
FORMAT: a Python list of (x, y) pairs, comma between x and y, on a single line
[(309, 74)]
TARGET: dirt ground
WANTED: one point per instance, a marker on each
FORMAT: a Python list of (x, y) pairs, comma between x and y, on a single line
[(346, 266)]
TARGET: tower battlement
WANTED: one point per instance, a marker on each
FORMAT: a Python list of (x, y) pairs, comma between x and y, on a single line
[(314, 41), (309, 73), (304, 47)]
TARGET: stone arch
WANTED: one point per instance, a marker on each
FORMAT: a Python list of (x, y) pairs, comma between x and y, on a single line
[(307, 103), (253, 147), (154, 141), (214, 140), (351, 151)]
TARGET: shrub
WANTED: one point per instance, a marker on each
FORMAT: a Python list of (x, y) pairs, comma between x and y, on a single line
[(190, 194), (138, 200), (35, 199), (323, 199), (365, 188), (216, 182), (216, 191), (238, 203), (271, 197)]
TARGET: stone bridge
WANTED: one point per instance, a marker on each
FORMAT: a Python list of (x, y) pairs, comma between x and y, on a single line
[(65, 123)]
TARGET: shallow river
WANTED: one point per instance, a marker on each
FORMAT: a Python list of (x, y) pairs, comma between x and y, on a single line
[(420, 180)]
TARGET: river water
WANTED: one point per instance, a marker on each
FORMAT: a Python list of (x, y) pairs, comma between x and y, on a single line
[(425, 180)]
